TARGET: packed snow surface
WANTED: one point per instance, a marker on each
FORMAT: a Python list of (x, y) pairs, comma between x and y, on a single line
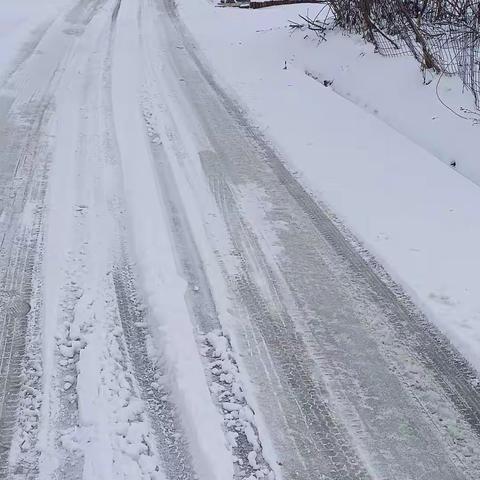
[(200, 244)]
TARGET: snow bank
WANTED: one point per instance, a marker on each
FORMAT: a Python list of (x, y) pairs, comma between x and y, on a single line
[(418, 216)]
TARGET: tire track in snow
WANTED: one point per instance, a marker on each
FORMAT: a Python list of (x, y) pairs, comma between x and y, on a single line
[(219, 362), (25, 161), (220, 365), (94, 423), (67, 304), (326, 430), (171, 312), (152, 378), (322, 442), (151, 374), (25, 125)]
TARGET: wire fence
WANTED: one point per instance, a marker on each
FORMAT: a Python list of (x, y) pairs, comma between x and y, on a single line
[(442, 35)]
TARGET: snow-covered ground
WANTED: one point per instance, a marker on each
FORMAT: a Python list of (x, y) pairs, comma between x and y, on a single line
[(375, 147), (21, 24), (115, 384), (174, 304)]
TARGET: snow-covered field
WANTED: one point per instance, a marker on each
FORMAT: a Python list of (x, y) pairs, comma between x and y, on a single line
[(375, 147)]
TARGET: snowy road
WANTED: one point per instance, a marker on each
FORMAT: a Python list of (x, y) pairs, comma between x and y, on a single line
[(175, 305)]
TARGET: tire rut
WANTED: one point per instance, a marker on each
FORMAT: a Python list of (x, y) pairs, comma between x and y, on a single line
[(23, 181), (334, 458), (221, 368), (152, 379), (151, 373)]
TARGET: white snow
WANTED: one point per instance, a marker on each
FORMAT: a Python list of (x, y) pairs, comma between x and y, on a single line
[(375, 147), (240, 423), (389, 186), (83, 361), (164, 288), (21, 23)]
